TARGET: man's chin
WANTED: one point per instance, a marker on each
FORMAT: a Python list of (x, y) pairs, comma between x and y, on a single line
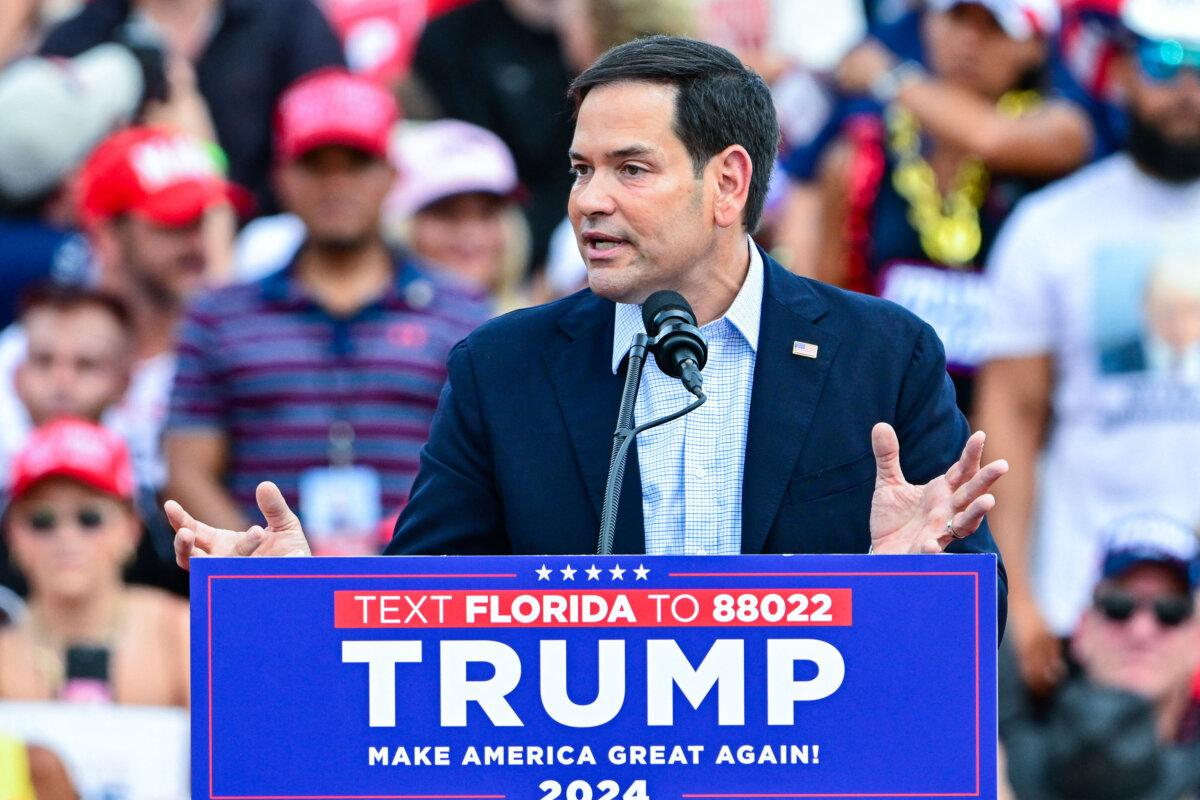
[(336, 241), (1175, 159), (617, 291), (1141, 676)]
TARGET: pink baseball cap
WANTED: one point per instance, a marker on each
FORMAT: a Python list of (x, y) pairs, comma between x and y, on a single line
[(449, 157), (334, 107), (162, 175), (75, 449), (1021, 19)]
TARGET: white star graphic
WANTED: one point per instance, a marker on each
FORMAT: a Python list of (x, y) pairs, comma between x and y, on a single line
[(618, 574), (593, 573), (543, 573), (641, 572), (568, 573)]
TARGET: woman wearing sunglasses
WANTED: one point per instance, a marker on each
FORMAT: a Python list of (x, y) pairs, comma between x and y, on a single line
[(71, 528)]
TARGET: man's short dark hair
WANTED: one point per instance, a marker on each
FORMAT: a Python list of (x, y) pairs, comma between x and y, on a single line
[(720, 102), (69, 297)]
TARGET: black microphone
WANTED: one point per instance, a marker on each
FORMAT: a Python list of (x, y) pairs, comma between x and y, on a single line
[(679, 349)]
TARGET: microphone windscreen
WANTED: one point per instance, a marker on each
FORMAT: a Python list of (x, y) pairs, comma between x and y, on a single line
[(657, 303)]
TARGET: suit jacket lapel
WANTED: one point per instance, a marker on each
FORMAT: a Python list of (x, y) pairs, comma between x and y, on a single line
[(784, 397), (589, 396)]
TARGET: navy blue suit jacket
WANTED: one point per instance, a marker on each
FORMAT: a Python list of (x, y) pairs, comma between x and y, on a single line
[(518, 454)]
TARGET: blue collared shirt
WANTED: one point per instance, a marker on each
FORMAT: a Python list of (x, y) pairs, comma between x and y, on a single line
[(692, 467)]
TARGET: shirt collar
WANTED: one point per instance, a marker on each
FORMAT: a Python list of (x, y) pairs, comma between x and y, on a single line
[(745, 314), (283, 288)]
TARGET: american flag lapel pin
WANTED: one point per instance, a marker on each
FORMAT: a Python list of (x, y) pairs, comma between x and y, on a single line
[(805, 349)]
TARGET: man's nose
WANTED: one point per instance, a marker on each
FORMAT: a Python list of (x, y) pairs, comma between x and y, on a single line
[(595, 197), (1143, 624), (63, 373), (334, 179)]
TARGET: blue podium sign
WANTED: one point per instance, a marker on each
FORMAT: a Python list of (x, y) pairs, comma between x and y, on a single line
[(594, 678)]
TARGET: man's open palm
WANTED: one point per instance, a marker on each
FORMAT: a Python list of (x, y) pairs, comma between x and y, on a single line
[(913, 519), (283, 535)]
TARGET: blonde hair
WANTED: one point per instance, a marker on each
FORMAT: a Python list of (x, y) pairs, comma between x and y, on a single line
[(508, 291), (616, 22)]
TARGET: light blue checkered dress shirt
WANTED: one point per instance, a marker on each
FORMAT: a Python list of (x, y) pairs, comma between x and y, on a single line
[(692, 467)]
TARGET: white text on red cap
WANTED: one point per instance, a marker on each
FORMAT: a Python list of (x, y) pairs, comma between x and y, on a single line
[(162, 163)]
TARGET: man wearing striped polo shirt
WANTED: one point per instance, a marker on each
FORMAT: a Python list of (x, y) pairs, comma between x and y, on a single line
[(324, 376)]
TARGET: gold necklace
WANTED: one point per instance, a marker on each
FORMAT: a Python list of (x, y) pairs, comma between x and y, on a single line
[(948, 226)]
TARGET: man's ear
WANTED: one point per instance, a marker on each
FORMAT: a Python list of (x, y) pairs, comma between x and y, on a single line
[(106, 246), (1080, 643), (1194, 650), (280, 184), (732, 169), (21, 382)]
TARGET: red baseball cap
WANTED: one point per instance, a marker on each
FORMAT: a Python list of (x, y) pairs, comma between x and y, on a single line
[(75, 449), (162, 175), (334, 107)]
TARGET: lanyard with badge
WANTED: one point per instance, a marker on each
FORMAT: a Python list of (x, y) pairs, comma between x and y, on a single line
[(341, 504)]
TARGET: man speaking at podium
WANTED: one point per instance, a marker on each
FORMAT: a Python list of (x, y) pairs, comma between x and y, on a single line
[(674, 142)]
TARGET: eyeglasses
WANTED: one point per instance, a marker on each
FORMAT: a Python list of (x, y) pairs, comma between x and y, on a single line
[(44, 521), (1162, 60), (1169, 609)]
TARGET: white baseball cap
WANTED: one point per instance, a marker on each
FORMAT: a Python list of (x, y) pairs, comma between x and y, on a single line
[(56, 110), (1021, 19), (1177, 20)]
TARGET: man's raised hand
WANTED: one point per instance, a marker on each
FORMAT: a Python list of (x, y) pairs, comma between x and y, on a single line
[(926, 519), (283, 535)]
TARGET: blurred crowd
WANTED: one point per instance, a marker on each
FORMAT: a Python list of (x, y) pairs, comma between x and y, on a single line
[(238, 239)]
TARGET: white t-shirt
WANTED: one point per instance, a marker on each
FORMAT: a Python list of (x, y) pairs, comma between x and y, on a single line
[(1070, 274), (266, 245), (14, 420), (141, 414), (138, 418)]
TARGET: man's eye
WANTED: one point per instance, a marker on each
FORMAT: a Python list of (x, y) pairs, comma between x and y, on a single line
[(578, 171), (633, 170)]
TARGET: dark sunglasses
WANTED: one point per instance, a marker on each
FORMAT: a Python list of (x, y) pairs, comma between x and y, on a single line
[(1162, 61), (44, 521), (1169, 609)]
